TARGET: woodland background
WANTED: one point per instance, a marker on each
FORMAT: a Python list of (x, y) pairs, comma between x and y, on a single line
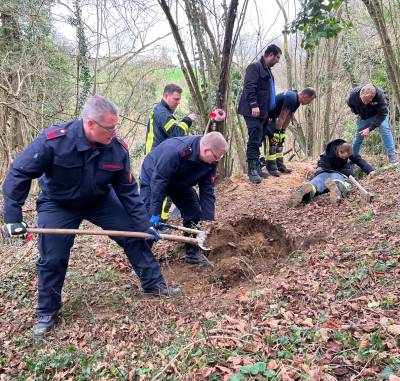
[(332, 46)]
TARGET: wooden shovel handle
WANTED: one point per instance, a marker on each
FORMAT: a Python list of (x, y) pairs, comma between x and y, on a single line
[(112, 233), (182, 228)]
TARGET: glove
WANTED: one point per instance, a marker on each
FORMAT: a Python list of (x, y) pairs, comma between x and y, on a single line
[(154, 233), (17, 230), (155, 220)]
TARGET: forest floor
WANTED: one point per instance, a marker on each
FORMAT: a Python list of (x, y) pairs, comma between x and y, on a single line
[(304, 293)]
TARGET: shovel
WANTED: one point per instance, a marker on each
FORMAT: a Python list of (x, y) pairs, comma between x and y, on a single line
[(367, 197), (201, 235), (198, 241)]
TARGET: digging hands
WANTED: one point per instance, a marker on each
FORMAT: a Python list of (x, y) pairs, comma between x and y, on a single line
[(15, 230)]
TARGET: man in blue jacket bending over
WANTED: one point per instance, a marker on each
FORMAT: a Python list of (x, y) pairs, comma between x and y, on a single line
[(84, 171), (172, 169)]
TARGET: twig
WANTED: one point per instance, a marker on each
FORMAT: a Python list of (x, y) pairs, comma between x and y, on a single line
[(191, 345)]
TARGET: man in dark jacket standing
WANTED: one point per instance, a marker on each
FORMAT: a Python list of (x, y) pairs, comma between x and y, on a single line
[(257, 100), (173, 169), (368, 102), (334, 167), (84, 171)]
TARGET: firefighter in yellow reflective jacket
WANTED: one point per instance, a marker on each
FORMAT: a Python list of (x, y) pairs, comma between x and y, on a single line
[(163, 125)]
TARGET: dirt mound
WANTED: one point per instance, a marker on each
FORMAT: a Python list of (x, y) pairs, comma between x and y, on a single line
[(247, 248)]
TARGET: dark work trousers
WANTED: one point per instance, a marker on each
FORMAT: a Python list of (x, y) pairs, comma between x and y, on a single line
[(255, 128), (186, 200), (52, 265)]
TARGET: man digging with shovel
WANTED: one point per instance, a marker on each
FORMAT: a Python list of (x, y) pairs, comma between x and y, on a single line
[(84, 172), (172, 169)]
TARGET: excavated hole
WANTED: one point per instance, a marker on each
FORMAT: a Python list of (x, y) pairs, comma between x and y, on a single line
[(247, 248)]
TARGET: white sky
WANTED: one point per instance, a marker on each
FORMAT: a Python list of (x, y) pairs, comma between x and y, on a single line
[(269, 21)]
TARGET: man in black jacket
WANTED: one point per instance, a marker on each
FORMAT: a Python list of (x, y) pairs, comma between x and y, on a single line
[(334, 167), (256, 101), (368, 102)]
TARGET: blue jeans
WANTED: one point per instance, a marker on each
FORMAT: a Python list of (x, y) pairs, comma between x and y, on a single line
[(384, 130), (341, 181)]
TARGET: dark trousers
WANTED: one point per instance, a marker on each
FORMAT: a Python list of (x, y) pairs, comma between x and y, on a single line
[(186, 200), (54, 250), (255, 128)]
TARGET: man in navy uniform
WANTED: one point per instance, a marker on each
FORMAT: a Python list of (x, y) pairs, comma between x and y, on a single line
[(84, 172), (163, 125), (257, 100), (275, 132), (173, 169)]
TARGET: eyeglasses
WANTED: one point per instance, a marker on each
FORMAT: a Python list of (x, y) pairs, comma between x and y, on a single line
[(216, 158), (109, 130)]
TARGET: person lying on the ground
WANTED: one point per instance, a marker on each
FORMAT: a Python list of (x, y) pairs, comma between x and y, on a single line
[(335, 164), (84, 171), (172, 169)]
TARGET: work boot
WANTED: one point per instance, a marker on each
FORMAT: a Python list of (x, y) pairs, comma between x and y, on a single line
[(198, 260), (263, 162), (272, 168), (163, 291), (44, 324), (252, 171), (301, 193), (194, 257), (334, 192), (282, 167), (261, 173)]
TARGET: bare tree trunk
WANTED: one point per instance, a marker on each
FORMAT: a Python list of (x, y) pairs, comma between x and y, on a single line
[(181, 46), (308, 113), (376, 12), (288, 59)]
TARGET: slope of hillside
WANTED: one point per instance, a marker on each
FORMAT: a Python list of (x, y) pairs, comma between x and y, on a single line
[(305, 293)]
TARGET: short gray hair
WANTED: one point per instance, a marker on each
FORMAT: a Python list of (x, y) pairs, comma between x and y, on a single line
[(215, 141), (96, 106), (368, 90)]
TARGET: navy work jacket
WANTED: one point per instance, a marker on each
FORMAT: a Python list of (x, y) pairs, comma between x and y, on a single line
[(163, 125), (285, 101), (73, 172), (256, 89), (174, 165)]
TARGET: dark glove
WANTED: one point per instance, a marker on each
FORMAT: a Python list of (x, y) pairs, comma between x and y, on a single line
[(155, 220), (17, 230), (154, 233)]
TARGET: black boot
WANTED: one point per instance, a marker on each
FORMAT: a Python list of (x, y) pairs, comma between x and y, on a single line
[(163, 290), (194, 257), (261, 173), (252, 171), (272, 168), (279, 162), (44, 324)]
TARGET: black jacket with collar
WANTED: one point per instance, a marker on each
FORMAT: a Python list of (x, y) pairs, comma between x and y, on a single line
[(377, 108), (256, 89), (329, 161)]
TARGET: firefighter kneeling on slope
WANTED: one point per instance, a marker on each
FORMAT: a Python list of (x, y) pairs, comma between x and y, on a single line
[(334, 167)]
